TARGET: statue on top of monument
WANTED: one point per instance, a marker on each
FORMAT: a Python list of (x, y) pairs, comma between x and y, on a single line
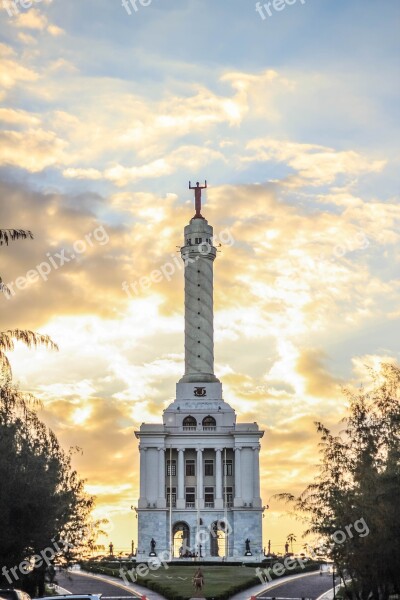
[(197, 198)]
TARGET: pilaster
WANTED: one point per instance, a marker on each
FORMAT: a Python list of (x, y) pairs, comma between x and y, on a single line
[(200, 494), (180, 501), (161, 502), (143, 471), (219, 502), (238, 478)]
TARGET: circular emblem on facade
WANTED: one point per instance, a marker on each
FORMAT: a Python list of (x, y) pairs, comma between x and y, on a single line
[(200, 392)]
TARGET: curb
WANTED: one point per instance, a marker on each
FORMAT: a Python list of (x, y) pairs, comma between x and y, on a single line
[(114, 581), (256, 591)]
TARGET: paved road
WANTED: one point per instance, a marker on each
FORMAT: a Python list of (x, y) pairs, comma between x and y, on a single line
[(310, 586), (299, 586), (77, 583), (305, 587)]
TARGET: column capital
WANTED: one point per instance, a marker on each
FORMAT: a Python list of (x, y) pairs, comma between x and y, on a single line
[(161, 449), (237, 449), (142, 449), (257, 447), (199, 449), (218, 449), (180, 449)]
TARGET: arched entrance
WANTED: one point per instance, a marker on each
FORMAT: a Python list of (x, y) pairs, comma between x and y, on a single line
[(218, 539), (181, 538)]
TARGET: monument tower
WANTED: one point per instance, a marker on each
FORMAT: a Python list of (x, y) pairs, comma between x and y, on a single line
[(199, 468)]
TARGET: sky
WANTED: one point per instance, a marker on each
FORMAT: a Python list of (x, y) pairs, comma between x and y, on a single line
[(293, 119)]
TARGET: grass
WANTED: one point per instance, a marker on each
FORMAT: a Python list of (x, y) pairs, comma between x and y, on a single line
[(218, 579), (175, 582)]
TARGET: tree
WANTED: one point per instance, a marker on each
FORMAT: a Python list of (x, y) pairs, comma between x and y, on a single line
[(290, 539), (29, 338), (43, 505), (353, 505), (7, 338), (7, 235)]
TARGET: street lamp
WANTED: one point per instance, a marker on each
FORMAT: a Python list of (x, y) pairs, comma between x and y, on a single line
[(333, 581)]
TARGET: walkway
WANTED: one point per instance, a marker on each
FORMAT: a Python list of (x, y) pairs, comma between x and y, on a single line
[(85, 583), (307, 585)]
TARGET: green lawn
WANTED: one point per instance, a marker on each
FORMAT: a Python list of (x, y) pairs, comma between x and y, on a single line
[(218, 579), (175, 581)]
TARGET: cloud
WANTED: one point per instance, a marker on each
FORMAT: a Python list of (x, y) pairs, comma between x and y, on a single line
[(190, 157), (72, 173), (32, 149), (283, 267), (55, 31), (319, 382), (308, 286), (315, 165), (35, 20), (18, 117), (31, 19), (27, 39), (12, 71)]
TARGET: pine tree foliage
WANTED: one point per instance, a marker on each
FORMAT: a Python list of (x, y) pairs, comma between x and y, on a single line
[(29, 338), (42, 498), (9, 337), (43, 504), (3, 288), (9, 235), (359, 482)]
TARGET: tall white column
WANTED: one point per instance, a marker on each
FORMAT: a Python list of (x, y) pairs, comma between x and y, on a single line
[(199, 309), (161, 478), (142, 499), (200, 496), (180, 501), (256, 475), (238, 477)]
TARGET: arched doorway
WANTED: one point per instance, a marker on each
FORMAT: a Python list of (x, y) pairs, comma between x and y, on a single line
[(181, 538), (218, 539)]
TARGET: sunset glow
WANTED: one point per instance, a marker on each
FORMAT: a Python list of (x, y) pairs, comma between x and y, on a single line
[(105, 118)]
